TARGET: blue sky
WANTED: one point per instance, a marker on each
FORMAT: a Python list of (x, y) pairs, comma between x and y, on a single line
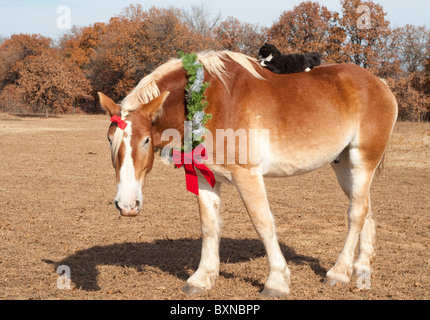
[(26, 16)]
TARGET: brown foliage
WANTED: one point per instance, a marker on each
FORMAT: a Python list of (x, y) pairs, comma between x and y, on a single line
[(32, 73), (234, 35), (426, 77), (113, 57), (136, 42), (79, 45), (14, 50), (11, 100), (49, 83), (366, 47), (413, 102), (308, 27)]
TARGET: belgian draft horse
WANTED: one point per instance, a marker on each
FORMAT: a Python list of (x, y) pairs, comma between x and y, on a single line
[(336, 114)]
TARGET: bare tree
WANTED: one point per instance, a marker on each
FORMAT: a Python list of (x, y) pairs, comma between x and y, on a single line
[(240, 36), (200, 20), (412, 45)]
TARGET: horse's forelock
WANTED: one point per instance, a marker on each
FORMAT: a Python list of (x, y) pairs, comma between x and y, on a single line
[(116, 144)]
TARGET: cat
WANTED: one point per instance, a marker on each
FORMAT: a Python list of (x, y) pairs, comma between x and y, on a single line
[(275, 61)]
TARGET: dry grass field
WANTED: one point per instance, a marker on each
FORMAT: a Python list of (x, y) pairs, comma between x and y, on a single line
[(56, 208)]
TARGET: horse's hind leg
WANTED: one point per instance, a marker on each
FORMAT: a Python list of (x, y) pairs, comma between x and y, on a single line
[(253, 193), (363, 265), (367, 236), (210, 205), (355, 180)]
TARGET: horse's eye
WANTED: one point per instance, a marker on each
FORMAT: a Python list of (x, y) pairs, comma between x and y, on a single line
[(146, 142), (110, 140)]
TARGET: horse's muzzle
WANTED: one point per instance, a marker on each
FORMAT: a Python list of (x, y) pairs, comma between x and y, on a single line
[(129, 212)]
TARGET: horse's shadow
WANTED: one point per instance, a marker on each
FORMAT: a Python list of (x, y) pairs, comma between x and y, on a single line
[(176, 257)]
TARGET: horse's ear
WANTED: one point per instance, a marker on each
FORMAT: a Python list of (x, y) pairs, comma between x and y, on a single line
[(109, 104), (154, 108)]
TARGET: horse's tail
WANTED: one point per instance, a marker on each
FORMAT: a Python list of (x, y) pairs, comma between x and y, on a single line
[(381, 165)]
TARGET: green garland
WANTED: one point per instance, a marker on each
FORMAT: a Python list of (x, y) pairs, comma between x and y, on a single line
[(196, 99)]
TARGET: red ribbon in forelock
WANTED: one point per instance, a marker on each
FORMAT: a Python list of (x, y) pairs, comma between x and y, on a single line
[(190, 161), (121, 123)]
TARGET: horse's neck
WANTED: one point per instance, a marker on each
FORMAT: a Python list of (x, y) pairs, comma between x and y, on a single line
[(173, 115)]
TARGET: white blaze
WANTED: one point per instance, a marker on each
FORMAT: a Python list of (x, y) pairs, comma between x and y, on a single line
[(129, 189)]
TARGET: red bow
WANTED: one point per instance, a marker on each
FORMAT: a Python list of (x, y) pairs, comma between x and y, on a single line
[(121, 123), (190, 161)]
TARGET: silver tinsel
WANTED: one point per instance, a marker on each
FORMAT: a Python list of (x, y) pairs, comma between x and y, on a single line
[(199, 132), (197, 86), (198, 128), (198, 118)]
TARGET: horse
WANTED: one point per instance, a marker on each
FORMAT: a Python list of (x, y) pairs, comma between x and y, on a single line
[(339, 115)]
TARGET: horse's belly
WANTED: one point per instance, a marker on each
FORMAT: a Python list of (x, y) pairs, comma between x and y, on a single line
[(277, 159), (292, 162), (287, 166)]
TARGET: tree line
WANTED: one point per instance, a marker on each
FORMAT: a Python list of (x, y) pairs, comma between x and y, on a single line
[(38, 74)]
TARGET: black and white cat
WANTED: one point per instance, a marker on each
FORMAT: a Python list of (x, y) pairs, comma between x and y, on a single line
[(275, 61)]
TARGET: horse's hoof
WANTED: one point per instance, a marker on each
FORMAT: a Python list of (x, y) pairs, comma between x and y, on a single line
[(191, 290), (338, 279), (272, 293)]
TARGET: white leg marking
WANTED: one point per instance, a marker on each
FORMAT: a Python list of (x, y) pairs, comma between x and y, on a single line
[(363, 265), (208, 271), (355, 181)]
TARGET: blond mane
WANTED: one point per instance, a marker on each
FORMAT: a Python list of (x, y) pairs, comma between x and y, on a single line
[(213, 63)]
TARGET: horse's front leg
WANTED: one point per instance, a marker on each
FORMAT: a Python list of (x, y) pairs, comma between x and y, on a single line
[(253, 192), (210, 206)]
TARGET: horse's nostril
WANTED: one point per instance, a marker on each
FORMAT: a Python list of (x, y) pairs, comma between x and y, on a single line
[(117, 205), (137, 205)]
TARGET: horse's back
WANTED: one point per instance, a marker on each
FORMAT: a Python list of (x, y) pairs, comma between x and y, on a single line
[(330, 98), (312, 117)]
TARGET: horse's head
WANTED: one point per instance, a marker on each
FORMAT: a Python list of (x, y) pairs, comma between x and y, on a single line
[(132, 150)]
